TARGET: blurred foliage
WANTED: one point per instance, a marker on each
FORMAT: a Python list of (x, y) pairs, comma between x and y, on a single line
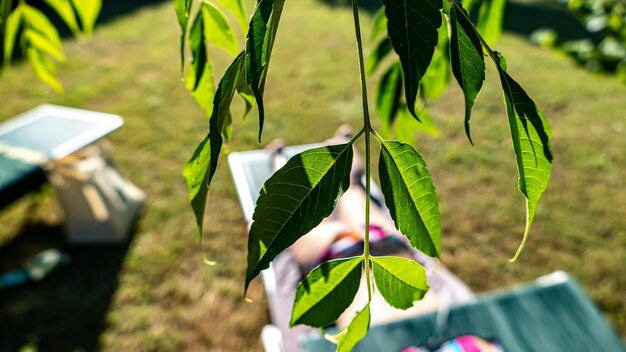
[(606, 21), (26, 30)]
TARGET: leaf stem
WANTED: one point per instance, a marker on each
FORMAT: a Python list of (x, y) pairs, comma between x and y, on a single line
[(368, 166)]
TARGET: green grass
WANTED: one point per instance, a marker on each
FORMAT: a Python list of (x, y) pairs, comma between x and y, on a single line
[(167, 300)]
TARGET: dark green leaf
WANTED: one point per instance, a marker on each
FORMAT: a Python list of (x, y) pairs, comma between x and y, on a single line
[(199, 170), (217, 29), (182, 12), (246, 94), (388, 96), (87, 11), (412, 26), (400, 281), (354, 332), (531, 135), (200, 61), (326, 292), (468, 64), (259, 45), (410, 196), (295, 200), (200, 77), (490, 18)]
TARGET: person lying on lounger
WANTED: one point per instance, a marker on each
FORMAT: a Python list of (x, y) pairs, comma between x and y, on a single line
[(341, 235)]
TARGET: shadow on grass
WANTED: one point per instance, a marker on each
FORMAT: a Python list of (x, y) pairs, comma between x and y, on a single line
[(66, 311)]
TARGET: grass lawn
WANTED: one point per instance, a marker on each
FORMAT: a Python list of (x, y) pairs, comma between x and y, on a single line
[(157, 295)]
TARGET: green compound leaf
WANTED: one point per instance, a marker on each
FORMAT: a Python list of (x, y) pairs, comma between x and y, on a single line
[(87, 11), (531, 135), (326, 292), (259, 45), (237, 8), (353, 333), (468, 64), (400, 281), (295, 200), (412, 26), (217, 29), (410, 196), (182, 13), (490, 19), (389, 96), (199, 170)]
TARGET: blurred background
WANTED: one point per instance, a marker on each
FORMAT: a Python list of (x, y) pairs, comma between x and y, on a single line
[(155, 294)]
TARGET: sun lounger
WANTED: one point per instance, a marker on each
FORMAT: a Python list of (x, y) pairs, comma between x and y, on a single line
[(48, 132), (56, 144), (250, 169), (550, 314)]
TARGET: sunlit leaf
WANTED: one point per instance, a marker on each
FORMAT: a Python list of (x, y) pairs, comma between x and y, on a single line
[(10, 33), (36, 20), (376, 57), (388, 97), (200, 169), (405, 125), (468, 64), (326, 292), (66, 12), (410, 196), (39, 41), (87, 11), (199, 80), (237, 8), (380, 25), (217, 29), (531, 135), (354, 332), (400, 281), (490, 19), (412, 27), (295, 200), (259, 45), (44, 69), (246, 94), (197, 44), (182, 13), (437, 76)]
